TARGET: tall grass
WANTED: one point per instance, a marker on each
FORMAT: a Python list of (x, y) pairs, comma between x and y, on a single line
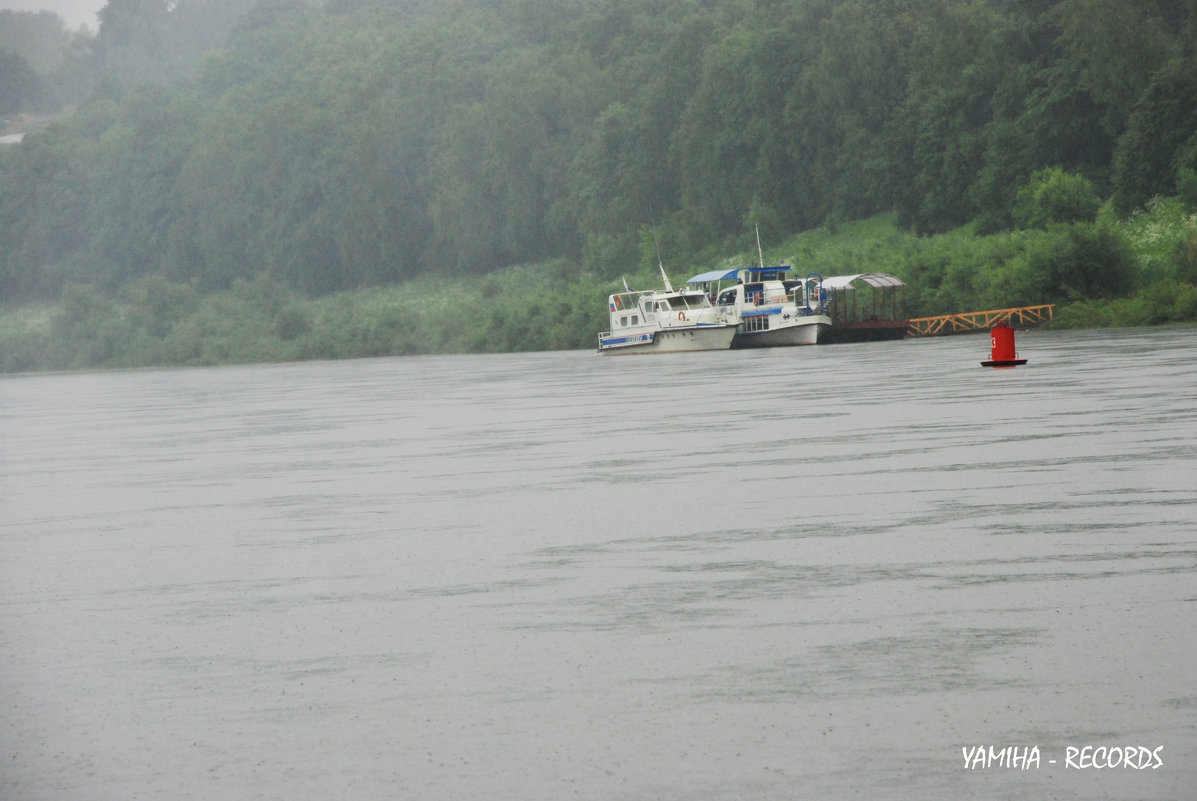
[(1141, 271)]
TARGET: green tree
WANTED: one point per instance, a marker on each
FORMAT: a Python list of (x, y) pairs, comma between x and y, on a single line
[(1161, 130), (730, 145), (22, 89), (134, 204), (623, 175), (500, 167), (131, 45), (956, 62), (841, 109), (41, 39), (47, 183), (1056, 196), (195, 27), (1112, 49)]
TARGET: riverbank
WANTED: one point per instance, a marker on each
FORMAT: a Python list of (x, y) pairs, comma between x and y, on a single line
[(1138, 272)]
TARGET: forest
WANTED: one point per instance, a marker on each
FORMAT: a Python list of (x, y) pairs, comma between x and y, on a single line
[(229, 180)]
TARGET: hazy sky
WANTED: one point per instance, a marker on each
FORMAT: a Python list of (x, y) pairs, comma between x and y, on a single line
[(75, 12)]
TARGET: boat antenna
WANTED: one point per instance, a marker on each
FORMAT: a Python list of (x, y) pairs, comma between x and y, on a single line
[(759, 254), (660, 265)]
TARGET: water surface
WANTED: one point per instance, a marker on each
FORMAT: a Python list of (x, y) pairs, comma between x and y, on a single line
[(788, 573)]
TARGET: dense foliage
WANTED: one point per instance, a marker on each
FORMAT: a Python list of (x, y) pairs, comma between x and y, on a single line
[(552, 305), (319, 151)]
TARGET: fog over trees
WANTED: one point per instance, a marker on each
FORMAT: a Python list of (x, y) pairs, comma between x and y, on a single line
[(361, 143)]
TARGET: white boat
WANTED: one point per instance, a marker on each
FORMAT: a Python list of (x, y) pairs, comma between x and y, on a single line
[(769, 309), (664, 321)]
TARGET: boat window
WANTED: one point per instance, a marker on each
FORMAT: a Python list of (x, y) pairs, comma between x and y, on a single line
[(689, 301), (727, 297), (623, 320), (635, 321), (758, 323)]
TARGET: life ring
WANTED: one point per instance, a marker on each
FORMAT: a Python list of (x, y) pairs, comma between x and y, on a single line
[(681, 316)]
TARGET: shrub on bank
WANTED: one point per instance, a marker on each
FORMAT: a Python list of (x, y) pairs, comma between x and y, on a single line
[(1142, 271)]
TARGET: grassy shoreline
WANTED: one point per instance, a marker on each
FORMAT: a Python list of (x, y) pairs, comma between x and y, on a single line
[(1137, 272)]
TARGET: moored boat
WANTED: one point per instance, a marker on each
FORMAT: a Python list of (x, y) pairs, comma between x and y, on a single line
[(769, 309), (664, 321)]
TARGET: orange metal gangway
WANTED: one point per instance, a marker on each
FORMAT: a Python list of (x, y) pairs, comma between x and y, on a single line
[(1022, 317)]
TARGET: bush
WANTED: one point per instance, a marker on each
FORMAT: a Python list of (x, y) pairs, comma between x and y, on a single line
[(1184, 261), (1186, 188), (293, 321), (1083, 261), (156, 304), (1168, 301), (88, 329), (1055, 196)]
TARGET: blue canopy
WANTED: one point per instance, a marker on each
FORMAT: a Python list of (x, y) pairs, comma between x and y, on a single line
[(727, 275)]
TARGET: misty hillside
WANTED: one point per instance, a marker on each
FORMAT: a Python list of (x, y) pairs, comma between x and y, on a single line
[(362, 143)]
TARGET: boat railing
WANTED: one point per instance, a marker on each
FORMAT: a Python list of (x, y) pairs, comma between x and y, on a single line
[(804, 297)]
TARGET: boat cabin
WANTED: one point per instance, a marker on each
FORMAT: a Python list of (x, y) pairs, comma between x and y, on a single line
[(762, 286), (628, 309)]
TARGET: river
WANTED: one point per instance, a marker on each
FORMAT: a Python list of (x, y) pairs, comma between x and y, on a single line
[(822, 572)]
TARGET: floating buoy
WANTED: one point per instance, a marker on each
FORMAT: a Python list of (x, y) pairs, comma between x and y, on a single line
[(1001, 352)]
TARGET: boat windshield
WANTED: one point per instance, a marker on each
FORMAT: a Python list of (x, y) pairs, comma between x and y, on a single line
[(695, 300)]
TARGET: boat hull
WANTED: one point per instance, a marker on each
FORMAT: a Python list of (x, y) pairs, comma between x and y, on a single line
[(671, 340), (805, 331)]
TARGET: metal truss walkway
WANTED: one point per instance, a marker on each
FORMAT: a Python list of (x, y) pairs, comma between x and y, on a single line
[(1022, 317)]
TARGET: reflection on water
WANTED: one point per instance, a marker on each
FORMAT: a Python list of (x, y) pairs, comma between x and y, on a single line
[(809, 572)]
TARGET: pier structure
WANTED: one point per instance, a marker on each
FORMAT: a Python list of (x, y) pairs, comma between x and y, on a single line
[(865, 307), (1020, 317), (869, 307)]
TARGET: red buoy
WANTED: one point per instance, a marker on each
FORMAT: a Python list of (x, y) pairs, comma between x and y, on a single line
[(1002, 353)]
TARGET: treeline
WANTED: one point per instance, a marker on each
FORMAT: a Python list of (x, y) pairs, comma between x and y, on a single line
[(45, 67), (364, 143), (32, 50)]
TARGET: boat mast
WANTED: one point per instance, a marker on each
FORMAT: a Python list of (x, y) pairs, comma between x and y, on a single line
[(660, 266)]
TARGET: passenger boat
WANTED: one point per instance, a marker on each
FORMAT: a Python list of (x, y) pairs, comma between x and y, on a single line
[(769, 309), (664, 321)]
